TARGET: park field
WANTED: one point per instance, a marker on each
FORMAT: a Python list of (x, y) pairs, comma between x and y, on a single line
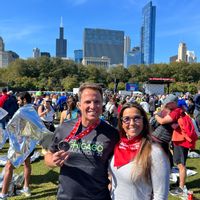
[(44, 180)]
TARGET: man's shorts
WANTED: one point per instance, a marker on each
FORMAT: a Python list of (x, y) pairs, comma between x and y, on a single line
[(180, 155)]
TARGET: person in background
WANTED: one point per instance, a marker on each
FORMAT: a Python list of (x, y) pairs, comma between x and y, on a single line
[(139, 168), (121, 103), (191, 106), (181, 148), (144, 104), (24, 99), (71, 111), (113, 112), (152, 104), (197, 107), (54, 99), (38, 98), (60, 102), (4, 96), (46, 113), (10, 105), (90, 142)]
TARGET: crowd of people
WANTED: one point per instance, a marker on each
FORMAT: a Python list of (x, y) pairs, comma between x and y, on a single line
[(109, 146)]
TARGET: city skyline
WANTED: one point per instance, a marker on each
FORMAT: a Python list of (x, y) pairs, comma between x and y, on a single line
[(36, 23)]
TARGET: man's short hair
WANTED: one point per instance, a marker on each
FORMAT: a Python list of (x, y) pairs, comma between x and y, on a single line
[(4, 90), (25, 95), (93, 86)]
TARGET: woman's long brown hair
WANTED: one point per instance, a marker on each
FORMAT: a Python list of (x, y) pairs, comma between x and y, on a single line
[(143, 159)]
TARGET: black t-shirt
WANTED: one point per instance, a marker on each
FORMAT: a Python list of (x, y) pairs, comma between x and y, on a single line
[(84, 175), (197, 102)]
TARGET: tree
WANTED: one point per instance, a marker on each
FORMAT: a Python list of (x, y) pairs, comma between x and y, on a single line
[(119, 72), (69, 83), (121, 86)]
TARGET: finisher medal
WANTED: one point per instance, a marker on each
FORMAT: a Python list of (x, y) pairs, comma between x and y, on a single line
[(63, 145)]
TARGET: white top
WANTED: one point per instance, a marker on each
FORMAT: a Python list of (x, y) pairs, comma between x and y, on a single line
[(48, 117), (125, 188)]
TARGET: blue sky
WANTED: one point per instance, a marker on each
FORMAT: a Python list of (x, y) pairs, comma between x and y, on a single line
[(25, 24)]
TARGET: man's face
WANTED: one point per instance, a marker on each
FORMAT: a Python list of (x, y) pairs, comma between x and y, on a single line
[(90, 106), (20, 102)]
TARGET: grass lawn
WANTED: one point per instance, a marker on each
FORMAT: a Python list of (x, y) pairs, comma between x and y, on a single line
[(44, 180)]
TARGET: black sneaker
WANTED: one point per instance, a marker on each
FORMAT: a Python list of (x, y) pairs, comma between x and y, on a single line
[(176, 192)]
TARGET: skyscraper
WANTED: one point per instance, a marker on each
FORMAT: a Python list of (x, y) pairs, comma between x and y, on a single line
[(36, 53), (78, 55), (127, 44), (6, 57), (61, 43), (1, 44), (182, 50), (148, 33), (132, 57), (100, 43), (191, 57)]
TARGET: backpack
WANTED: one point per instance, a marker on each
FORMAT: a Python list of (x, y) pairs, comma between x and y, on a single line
[(11, 106), (185, 131), (162, 133)]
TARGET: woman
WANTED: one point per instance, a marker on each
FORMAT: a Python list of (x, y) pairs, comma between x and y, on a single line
[(46, 113), (71, 111), (140, 169)]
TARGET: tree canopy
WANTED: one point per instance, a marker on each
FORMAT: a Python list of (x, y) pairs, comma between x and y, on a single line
[(58, 74)]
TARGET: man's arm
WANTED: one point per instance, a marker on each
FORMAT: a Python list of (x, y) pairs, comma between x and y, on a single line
[(56, 159)]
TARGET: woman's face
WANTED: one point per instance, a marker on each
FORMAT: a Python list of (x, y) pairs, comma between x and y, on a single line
[(47, 104), (70, 103), (132, 122)]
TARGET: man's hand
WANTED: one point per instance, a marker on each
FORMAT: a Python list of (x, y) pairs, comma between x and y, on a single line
[(59, 158), (56, 159)]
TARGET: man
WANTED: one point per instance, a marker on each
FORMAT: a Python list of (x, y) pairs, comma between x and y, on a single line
[(83, 174), (10, 105), (197, 107), (180, 150), (24, 99), (3, 99), (60, 102)]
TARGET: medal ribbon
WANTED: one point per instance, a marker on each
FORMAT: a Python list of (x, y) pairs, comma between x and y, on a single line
[(81, 134)]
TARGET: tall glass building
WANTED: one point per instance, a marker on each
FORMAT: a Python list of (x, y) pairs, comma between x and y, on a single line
[(104, 43), (61, 43), (78, 55), (148, 33)]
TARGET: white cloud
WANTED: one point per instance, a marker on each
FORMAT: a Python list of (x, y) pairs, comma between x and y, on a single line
[(18, 30)]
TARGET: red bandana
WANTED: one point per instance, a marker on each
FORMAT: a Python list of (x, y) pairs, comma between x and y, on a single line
[(83, 133), (126, 150)]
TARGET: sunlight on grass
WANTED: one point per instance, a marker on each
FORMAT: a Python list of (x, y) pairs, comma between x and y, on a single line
[(44, 181)]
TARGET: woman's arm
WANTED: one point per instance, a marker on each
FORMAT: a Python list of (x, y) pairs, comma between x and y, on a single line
[(160, 174), (165, 120), (42, 112), (62, 116)]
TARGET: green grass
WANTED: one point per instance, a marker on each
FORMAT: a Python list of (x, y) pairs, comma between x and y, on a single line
[(44, 181)]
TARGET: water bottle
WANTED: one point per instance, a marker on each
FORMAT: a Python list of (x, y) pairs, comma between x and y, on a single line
[(190, 195)]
